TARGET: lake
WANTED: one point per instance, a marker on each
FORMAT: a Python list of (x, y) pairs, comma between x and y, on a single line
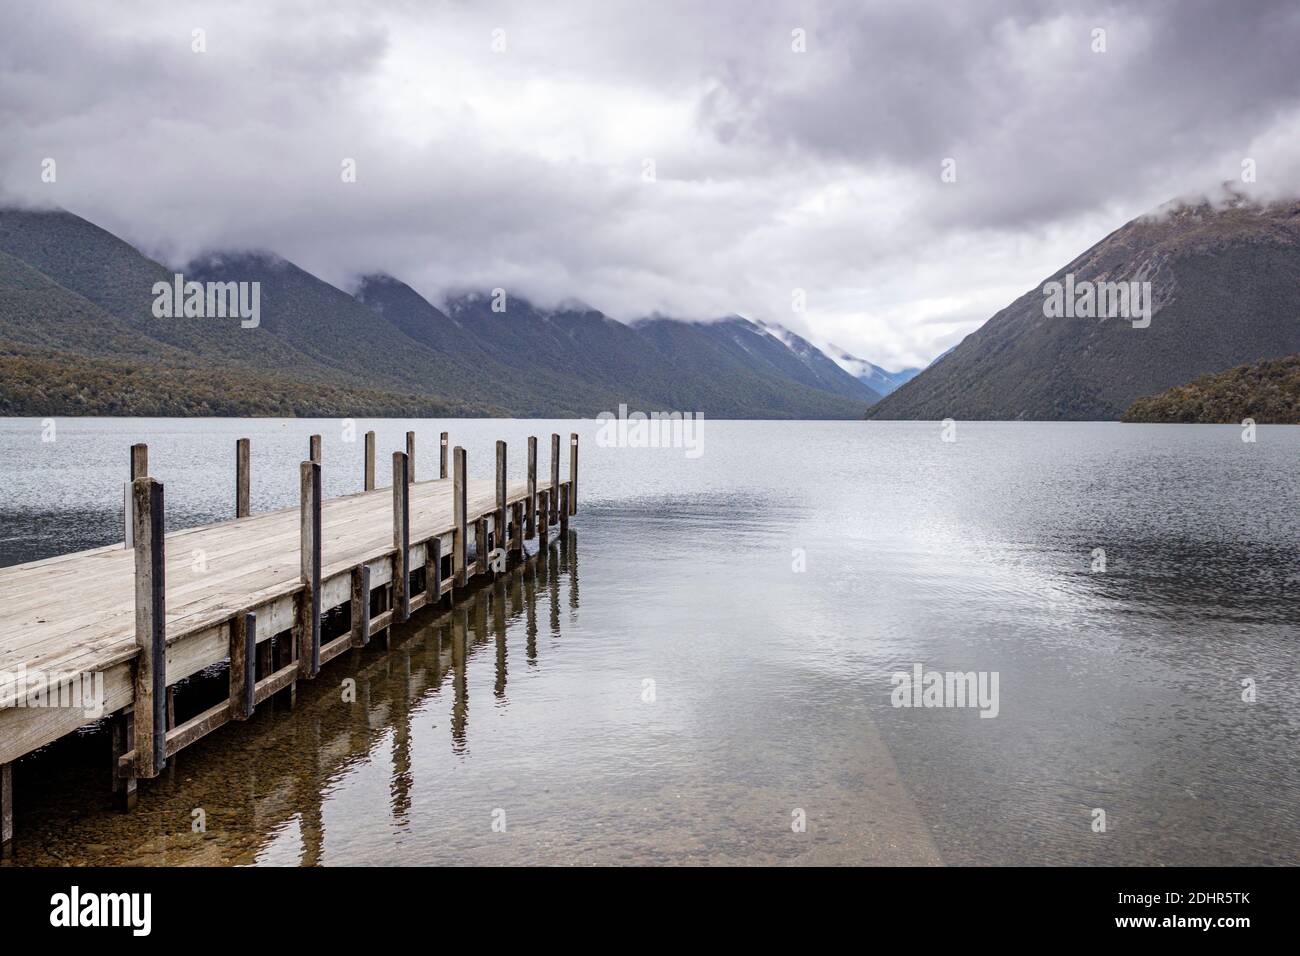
[(704, 673)]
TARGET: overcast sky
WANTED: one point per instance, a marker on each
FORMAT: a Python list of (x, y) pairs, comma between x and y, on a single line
[(527, 167)]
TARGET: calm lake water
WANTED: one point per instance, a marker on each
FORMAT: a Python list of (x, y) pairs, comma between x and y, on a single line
[(771, 697)]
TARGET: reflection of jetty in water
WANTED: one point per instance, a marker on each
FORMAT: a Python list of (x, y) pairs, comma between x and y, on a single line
[(290, 760)]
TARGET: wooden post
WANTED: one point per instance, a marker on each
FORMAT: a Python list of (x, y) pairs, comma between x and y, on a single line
[(432, 571), (123, 740), (410, 457), (555, 474), (517, 527), (309, 564), (243, 496), (401, 537), (530, 516), (499, 532), (243, 665), (481, 545), (442, 455), (460, 551), (139, 468), (6, 808), (564, 510), (150, 628), (573, 473), (543, 526), (361, 606), (370, 461), (314, 449), (139, 461)]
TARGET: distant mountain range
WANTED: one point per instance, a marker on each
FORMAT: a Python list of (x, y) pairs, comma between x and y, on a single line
[(1225, 284), (78, 336)]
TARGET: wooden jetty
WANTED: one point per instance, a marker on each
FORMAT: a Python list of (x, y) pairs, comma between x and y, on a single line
[(273, 596)]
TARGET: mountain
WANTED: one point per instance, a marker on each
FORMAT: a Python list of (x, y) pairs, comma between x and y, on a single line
[(78, 334), (875, 377), (1267, 392), (1225, 285)]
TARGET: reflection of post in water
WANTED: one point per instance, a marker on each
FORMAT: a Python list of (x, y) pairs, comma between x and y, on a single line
[(401, 785), (309, 797), (569, 555), (499, 629), (459, 651), (529, 577), (553, 586)]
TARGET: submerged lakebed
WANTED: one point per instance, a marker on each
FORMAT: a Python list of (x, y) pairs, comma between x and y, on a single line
[(705, 671)]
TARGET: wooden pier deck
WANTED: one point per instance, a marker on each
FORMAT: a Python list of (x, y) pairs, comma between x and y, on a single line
[(252, 592)]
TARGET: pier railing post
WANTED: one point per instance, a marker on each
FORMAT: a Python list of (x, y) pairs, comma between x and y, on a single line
[(530, 517), (139, 468), (370, 461), (139, 461), (410, 458), (442, 455), (243, 665), (517, 527), (460, 550), (361, 606), (555, 474), (432, 571), (543, 525), (566, 491), (314, 449), (573, 473), (243, 486), (150, 628), (401, 537), (499, 532), (310, 556)]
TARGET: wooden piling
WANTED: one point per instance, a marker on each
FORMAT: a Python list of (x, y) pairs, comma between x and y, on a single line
[(313, 449), (530, 516), (150, 628), (401, 537), (308, 622), (410, 457), (499, 533), (573, 473), (243, 665), (139, 461), (123, 742), (370, 461), (460, 551), (555, 474), (360, 606), (442, 455), (481, 546), (565, 490), (432, 571), (543, 525), (517, 528), (243, 484), (6, 808)]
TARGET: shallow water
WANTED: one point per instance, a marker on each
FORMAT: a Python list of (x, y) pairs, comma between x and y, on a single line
[(771, 696)]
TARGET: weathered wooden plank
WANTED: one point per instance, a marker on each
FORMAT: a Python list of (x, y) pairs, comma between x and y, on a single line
[(309, 551), (243, 661), (150, 626), (361, 606), (243, 483), (401, 538), (499, 526), (573, 473), (555, 474), (370, 461), (531, 516), (461, 519)]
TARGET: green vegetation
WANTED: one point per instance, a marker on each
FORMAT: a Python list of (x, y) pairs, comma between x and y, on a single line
[(1268, 392)]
